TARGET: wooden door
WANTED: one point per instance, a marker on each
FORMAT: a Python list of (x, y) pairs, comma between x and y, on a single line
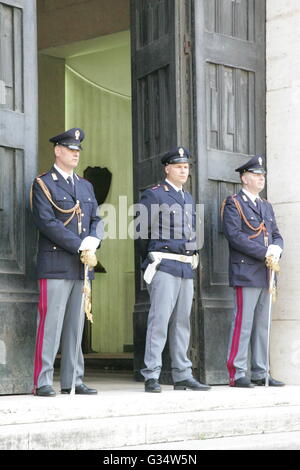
[(18, 141), (230, 53), (162, 100)]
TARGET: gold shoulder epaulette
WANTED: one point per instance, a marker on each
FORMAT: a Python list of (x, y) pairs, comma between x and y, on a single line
[(233, 196), (76, 210), (31, 189)]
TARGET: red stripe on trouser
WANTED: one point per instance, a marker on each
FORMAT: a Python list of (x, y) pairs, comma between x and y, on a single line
[(236, 334), (40, 333)]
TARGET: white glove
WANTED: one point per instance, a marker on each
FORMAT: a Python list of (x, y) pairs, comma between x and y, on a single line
[(275, 251), (89, 243)]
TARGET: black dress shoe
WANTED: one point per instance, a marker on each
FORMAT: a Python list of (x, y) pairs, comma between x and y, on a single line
[(152, 386), (272, 382), (81, 389), (191, 384), (243, 382), (45, 391)]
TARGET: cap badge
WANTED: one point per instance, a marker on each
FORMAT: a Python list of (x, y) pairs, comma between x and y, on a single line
[(77, 135), (260, 161), (181, 152)]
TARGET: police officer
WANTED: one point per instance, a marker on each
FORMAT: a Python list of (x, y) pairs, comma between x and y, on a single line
[(252, 233), (65, 211), (169, 265)]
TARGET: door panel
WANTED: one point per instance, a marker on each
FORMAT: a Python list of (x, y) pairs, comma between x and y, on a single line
[(11, 56), (12, 255), (230, 52), (162, 100), (18, 140)]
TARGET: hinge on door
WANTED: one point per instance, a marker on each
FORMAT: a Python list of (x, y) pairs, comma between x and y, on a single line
[(187, 44)]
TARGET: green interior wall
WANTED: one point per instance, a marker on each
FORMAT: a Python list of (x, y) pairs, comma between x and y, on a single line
[(98, 99), (51, 106)]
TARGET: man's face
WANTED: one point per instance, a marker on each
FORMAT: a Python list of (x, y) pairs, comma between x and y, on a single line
[(177, 173), (254, 183), (65, 158)]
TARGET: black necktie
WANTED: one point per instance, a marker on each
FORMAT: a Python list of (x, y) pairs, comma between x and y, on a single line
[(258, 204), (71, 184)]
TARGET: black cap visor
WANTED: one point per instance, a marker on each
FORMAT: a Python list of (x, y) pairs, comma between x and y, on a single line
[(70, 146), (257, 171), (177, 160)]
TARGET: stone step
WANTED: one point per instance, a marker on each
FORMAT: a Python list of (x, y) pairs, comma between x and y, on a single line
[(118, 419), (289, 440), (132, 401)]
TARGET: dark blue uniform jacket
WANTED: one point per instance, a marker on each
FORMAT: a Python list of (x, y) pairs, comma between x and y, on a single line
[(171, 227), (247, 256), (58, 256)]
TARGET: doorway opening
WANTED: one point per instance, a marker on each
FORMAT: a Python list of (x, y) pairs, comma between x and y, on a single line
[(87, 84)]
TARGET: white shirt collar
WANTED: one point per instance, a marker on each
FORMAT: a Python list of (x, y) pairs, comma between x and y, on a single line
[(251, 196), (174, 186), (63, 173)]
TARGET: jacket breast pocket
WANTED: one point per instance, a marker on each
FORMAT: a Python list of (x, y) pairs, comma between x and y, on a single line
[(65, 203), (87, 206), (269, 221), (253, 221)]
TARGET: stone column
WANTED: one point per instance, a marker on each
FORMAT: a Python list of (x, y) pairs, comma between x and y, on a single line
[(283, 160)]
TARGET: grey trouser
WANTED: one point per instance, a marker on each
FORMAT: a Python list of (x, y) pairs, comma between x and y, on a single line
[(249, 326), (60, 323), (171, 302)]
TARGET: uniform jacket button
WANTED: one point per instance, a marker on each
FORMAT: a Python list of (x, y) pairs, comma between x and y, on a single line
[(54, 248)]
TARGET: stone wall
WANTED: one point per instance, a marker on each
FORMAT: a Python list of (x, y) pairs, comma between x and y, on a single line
[(283, 146)]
